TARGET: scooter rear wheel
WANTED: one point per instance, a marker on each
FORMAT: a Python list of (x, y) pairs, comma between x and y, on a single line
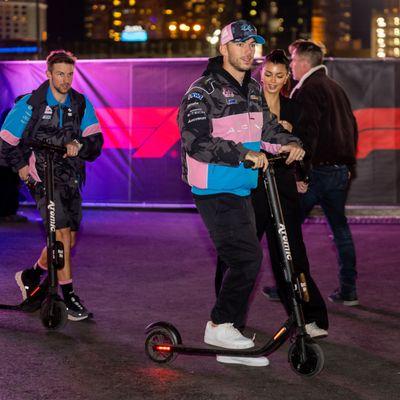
[(314, 362), (161, 335), (53, 314)]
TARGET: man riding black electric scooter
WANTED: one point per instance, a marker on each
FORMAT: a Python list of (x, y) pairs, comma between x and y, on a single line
[(223, 121)]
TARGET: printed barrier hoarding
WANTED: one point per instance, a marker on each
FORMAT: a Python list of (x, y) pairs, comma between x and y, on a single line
[(136, 102)]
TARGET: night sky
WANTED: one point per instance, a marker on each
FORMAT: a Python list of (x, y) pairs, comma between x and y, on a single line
[(361, 19), (65, 19)]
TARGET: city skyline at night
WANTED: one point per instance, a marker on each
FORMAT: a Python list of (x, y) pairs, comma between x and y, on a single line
[(346, 28)]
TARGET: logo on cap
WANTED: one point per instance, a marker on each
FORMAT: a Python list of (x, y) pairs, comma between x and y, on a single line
[(240, 31)]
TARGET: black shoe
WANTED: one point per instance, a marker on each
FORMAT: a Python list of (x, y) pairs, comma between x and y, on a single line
[(27, 281), (271, 292), (344, 299), (76, 310), (35, 299)]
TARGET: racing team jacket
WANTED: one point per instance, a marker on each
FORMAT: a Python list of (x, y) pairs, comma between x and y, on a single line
[(219, 122), (58, 124)]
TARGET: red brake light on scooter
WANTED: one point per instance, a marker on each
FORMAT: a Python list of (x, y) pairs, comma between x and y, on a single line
[(162, 348)]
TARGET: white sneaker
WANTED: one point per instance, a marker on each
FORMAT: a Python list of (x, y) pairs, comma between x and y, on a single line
[(250, 361), (316, 332), (226, 335)]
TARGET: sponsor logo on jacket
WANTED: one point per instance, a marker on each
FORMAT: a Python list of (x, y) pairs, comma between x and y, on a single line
[(227, 92)]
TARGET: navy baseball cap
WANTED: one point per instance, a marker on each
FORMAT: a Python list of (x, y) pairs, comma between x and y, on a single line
[(240, 31)]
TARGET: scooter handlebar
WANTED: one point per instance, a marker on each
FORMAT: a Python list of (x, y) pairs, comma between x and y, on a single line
[(301, 168), (271, 158), (43, 145)]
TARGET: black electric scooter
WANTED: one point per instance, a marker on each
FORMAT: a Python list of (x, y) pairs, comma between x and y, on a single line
[(53, 312), (164, 342)]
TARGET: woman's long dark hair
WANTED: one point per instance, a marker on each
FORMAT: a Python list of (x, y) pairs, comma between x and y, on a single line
[(279, 56)]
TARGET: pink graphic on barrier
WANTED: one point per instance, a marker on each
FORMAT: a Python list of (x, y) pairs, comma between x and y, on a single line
[(150, 131)]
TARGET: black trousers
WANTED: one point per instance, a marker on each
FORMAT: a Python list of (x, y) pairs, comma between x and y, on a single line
[(231, 225), (314, 310), (9, 184)]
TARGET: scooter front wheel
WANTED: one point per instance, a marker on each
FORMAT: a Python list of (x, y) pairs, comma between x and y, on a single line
[(53, 314), (158, 344), (313, 362)]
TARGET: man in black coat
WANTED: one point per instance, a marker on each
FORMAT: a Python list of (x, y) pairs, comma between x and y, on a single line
[(328, 130)]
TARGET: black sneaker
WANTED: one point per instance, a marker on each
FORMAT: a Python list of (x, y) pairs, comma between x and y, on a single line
[(76, 310), (271, 292), (27, 281), (34, 301), (346, 300)]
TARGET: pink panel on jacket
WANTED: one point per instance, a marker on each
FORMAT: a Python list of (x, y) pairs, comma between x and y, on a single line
[(32, 168), (91, 130), (8, 137), (240, 128), (271, 148), (197, 173)]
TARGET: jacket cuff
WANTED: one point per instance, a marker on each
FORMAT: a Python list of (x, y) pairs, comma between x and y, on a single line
[(242, 151), (20, 165)]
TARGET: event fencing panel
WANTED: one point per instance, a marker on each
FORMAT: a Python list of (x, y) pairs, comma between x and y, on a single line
[(136, 102)]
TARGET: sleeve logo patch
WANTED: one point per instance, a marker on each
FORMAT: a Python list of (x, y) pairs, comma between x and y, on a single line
[(195, 95)]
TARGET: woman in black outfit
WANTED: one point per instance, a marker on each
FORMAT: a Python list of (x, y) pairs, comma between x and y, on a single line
[(275, 78)]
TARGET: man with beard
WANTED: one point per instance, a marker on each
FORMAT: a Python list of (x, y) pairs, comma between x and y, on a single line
[(223, 121), (59, 115)]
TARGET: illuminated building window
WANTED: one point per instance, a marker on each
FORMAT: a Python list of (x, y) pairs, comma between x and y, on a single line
[(117, 2), (168, 12), (253, 4), (380, 33), (381, 22), (253, 12), (117, 22), (132, 2), (184, 27), (117, 14)]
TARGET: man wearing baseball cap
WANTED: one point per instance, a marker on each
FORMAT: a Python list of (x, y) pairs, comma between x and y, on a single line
[(223, 121)]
